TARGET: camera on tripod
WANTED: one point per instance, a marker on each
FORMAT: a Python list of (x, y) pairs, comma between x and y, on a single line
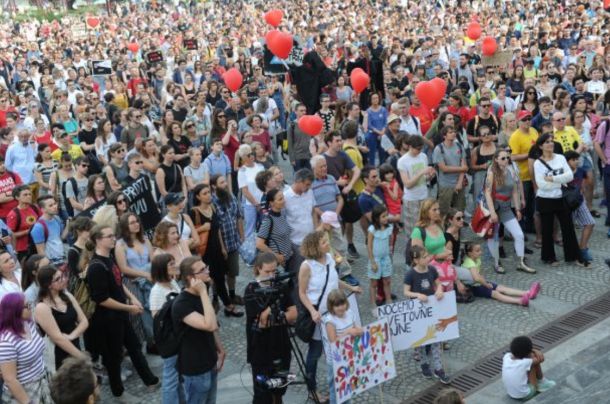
[(270, 292)]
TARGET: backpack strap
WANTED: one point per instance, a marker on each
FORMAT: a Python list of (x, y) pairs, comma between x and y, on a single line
[(17, 218)]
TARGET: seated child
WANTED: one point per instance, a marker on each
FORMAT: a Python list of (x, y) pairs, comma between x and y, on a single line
[(483, 288), (521, 371)]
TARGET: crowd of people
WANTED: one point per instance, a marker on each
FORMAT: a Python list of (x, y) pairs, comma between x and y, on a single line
[(134, 182)]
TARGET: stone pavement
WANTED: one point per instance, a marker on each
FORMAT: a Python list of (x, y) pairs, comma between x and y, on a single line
[(485, 325)]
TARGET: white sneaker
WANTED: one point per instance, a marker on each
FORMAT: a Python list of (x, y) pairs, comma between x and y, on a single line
[(125, 373)]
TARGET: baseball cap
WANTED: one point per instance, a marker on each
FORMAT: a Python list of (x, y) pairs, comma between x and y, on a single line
[(330, 217), (524, 114)]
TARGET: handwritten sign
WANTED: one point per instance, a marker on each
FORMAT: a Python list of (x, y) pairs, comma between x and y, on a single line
[(363, 361), (274, 65), (500, 58), (142, 203), (414, 323), (79, 30)]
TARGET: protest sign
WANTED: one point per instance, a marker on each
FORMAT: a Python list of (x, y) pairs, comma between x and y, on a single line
[(500, 58), (90, 212), (364, 361), (154, 57), (414, 323), (190, 44), (101, 67), (79, 30), (142, 202), (275, 65)]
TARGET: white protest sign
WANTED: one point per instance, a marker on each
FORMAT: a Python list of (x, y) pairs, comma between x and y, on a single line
[(363, 361), (414, 323)]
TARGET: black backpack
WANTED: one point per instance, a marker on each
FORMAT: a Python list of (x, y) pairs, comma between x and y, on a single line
[(167, 339), (422, 230)]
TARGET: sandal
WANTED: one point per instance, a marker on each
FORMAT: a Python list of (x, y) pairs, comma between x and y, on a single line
[(538, 244), (499, 269)]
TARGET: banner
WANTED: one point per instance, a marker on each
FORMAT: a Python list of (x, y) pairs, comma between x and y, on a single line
[(363, 361), (414, 323), (274, 65), (142, 202), (90, 212)]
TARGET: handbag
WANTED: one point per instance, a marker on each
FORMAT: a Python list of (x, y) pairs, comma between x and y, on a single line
[(571, 195), (480, 223), (305, 326), (204, 235)]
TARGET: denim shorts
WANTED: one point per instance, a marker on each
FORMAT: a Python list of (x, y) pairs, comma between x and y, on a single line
[(384, 268)]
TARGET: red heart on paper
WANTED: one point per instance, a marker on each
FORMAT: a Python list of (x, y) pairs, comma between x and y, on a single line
[(93, 22)]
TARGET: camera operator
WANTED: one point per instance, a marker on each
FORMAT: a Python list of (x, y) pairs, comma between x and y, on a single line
[(268, 304)]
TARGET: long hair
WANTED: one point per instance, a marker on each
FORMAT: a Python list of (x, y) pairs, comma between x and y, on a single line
[(91, 184), (496, 170), (11, 310), (124, 231), (45, 279), (30, 267), (158, 267), (424, 213), (160, 239)]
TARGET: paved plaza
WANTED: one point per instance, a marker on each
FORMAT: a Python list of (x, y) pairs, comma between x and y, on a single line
[(485, 325)]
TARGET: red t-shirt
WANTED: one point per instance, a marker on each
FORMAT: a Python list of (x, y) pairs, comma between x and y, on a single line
[(28, 218), (425, 117), (132, 85), (46, 138), (8, 181), (3, 115), (231, 149)]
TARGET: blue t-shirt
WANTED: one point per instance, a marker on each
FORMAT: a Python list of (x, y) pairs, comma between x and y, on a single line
[(579, 176), (54, 246)]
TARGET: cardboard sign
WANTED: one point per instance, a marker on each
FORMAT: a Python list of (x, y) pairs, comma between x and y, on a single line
[(154, 57), (500, 58), (414, 323), (79, 30), (142, 202), (274, 65), (190, 44), (363, 361), (101, 67)]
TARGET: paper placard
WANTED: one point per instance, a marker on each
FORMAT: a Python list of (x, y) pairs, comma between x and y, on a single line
[(500, 58)]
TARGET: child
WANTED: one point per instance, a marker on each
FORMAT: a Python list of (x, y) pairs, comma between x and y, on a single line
[(339, 321), (378, 245), (422, 281), (483, 288), (329, 223), (581, 216), (392, 193), (521, 371)]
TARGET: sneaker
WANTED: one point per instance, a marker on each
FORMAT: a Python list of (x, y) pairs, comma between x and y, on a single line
[(499, 269), (441, 376), (524, 268), (545, 385), (502, 252), (534, 290), (583, 263), (425, 371), (125, 373), (351, 280), (586, 255), (237, 299), (351, 250), (416, 356), (525, 300), (528, 251)]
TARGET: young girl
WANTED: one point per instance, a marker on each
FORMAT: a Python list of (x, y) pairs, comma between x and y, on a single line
[(378, 245), (422, 281), (483, 288), (392, 193), (339, 321)]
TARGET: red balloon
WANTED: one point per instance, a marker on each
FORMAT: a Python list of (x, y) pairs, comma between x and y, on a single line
[(474, 30), (440, 85), (270, 35), (280, 44), (133, 47), (489, 46), (274, 17), (93, 22), (429, 93), (359, 80), (311, 124), (233, 79), (607, 5)]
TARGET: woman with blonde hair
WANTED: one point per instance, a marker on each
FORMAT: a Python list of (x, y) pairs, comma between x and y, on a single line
[(428, 231), (317, 278), (508, 126), (167, 240)]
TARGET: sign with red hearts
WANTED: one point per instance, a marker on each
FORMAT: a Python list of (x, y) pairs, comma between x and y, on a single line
[(93, 22)]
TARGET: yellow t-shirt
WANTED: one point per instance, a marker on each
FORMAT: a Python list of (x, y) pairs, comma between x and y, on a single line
[(567, 137), (521, 143), (75, 151), (356, 157)]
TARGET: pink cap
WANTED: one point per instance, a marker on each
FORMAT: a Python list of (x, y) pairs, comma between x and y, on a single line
[(330, 217)]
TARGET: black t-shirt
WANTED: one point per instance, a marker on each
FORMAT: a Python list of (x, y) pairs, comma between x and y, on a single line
[(105, 281), (73, 259), (180, 114), (264, 345), (197, 354), (535, 152), (422, 283), (181, 146), (455, 246), (87, 137), (475, 124)]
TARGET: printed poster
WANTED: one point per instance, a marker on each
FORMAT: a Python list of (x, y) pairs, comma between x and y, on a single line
[(414, 323), (364, 361)]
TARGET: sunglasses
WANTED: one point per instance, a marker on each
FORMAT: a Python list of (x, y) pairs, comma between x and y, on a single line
[(485, 105), (459, 218), (559, 120), (189, 126), (504, 158), (525, 119), (121, 201), (84, 165)]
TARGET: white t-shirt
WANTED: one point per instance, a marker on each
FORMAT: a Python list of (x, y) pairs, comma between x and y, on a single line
[(298, 212), (412, 166), (341, 325), (514, 375), (159, 292), (246, 178)]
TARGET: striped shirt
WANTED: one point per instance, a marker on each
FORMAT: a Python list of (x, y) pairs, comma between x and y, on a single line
[(279, 239), (325, 193), (27, 353)]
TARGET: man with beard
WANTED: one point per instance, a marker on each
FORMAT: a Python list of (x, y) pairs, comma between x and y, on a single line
[(231, 229)]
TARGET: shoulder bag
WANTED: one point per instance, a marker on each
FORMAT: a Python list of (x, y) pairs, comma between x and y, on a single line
[(305, 326)]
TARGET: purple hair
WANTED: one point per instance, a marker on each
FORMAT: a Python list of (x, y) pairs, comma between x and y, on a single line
[(11, 311)]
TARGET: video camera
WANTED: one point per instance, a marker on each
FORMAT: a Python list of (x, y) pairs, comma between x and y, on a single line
[(276, 285)]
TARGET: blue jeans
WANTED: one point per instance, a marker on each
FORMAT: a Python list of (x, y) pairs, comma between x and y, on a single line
[(607, 191), (331, 385), (371, 143), (250, 215), (171, 384), (311, 363), (201, 389)]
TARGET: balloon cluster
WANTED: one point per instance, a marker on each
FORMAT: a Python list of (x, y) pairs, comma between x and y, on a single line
[(278, 42)]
